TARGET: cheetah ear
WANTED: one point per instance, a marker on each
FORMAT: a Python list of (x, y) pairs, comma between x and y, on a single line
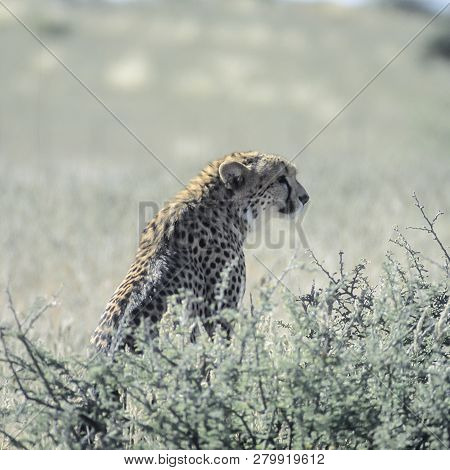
[(233, 174)]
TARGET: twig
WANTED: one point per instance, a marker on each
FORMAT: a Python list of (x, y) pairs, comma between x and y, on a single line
[(431, 223), (31, 319), (13, 441), (12, 308)]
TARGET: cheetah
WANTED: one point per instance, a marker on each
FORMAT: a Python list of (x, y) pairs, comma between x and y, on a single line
[(194, 239)]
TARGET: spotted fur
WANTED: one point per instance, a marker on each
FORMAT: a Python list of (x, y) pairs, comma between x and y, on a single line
[(196, 238)]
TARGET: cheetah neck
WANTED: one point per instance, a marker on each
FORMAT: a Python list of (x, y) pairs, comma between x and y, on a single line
[(207, 193), (205, 197)]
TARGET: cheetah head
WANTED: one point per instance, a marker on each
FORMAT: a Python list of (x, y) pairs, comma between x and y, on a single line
[(261, 182)]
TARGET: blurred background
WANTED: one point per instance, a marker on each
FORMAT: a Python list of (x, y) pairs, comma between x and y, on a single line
[(196, 80)]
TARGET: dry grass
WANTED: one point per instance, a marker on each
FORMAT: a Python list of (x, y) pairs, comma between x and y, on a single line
[(194, 82)]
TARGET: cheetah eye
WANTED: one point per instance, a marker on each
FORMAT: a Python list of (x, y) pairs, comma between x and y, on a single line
[(282, 179)]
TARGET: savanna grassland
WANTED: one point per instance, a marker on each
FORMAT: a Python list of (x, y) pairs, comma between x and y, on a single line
[(194, 81)]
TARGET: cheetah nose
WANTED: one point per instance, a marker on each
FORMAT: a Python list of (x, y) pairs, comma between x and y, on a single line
[(304, 198)]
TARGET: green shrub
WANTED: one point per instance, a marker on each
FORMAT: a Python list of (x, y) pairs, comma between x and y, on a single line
[(355, 366)]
